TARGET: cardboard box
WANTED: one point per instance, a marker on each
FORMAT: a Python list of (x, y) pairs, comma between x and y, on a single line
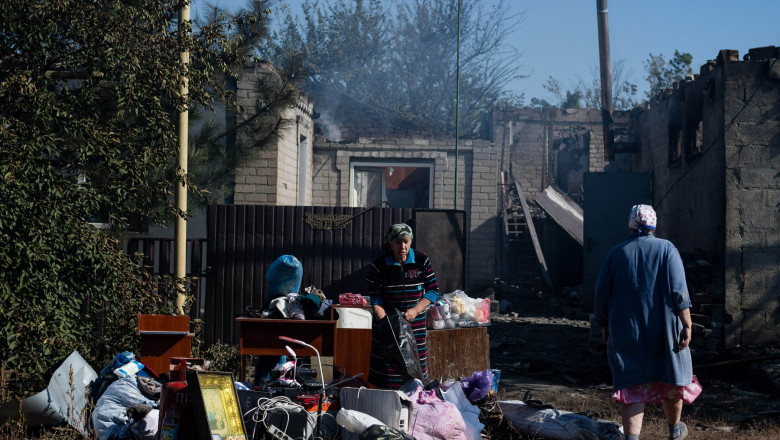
[(392, 408)]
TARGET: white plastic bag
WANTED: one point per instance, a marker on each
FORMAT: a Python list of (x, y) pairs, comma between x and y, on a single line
[(355, 421), (468, 410)]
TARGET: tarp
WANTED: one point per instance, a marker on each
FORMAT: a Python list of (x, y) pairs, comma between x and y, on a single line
[(62, 401)]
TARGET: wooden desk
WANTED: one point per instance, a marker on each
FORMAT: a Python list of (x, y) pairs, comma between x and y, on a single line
[(259, 336)]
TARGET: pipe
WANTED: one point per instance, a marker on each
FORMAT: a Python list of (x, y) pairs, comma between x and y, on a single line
[(606, 79), (180, 230), (457, 108)]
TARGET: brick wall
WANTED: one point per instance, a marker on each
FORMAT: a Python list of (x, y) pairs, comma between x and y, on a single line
[(688, 191), (270, 176), (719, 205), (752, 215), (477, 178), (526, 139)]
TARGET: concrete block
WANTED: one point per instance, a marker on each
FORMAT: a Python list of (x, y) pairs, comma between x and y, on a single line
[(768, 219)]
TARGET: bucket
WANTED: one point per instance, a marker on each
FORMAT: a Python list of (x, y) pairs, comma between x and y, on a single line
[(353, 317)]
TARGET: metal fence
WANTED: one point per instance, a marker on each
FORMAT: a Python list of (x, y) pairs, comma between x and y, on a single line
[(335, 245)]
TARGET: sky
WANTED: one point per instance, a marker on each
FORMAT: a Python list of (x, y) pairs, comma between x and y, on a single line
[(559, 38)]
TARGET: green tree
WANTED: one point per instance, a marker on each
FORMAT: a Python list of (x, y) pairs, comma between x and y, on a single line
[(567, 99), (404, 59), (88, 91), (583, 95), (214, 151), (662, 73)]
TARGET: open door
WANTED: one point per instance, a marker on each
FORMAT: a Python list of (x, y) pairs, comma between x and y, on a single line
[(608, 200)]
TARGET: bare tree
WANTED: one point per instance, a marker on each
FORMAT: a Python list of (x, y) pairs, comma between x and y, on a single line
[(402, 55)]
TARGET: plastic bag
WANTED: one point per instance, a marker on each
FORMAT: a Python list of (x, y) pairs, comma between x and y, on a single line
[(110, 413), (401, 344), (434, 319), (467, 312), (435, 419), (468, 410), (384, 432), (478, 385), (284, 276), (355, 421)]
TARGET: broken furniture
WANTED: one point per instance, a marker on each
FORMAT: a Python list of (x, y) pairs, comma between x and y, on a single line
[(164, 337)]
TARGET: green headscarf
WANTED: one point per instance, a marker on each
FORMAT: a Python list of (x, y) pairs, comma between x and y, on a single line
[(398, 230)]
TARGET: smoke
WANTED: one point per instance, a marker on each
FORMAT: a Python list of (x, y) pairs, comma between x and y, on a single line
[(330, 126)]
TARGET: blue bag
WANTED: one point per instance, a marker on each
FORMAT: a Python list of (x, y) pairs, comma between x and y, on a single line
[(284, 276)]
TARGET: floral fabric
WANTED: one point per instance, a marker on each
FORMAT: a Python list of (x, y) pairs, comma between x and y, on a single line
[(657, 391), (642, 217)]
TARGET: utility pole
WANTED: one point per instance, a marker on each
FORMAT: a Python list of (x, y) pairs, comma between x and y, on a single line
[(606, 80), (457, 107), (180, 230)]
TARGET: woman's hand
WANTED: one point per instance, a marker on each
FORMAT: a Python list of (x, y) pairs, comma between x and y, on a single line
[(685, 338), (411, 313)]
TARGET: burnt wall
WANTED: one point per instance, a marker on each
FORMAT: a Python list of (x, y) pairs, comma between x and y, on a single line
[(680, 137), (712, 145), (531, 141), (752, 211)]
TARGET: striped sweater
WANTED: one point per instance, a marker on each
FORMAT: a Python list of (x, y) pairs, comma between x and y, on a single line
[(395, 286)]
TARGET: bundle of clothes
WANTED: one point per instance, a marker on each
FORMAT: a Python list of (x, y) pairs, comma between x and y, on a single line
[(128, 395), (466, 410)]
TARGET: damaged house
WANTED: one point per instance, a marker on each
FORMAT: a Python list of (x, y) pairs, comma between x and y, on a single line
[(705, 153)]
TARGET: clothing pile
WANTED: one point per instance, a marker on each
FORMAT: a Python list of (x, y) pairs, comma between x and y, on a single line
[(128, 395)]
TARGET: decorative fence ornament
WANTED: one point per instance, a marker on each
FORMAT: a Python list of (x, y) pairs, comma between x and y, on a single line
[(328, 221)]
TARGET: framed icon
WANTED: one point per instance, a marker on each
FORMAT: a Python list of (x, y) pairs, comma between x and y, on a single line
[(215, 405)]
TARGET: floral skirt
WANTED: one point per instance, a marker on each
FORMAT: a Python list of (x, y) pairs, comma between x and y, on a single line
[(655, 392)]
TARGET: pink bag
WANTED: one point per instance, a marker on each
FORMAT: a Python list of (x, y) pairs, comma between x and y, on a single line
[(352, 299), (435, 419)]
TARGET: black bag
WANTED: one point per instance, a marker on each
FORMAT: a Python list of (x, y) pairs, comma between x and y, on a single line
[(382, 432), (400, 343)]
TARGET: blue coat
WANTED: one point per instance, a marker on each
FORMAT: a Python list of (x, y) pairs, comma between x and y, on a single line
[(640, 291)]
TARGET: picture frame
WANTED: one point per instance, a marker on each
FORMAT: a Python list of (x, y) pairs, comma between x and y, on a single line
[(215, 405)]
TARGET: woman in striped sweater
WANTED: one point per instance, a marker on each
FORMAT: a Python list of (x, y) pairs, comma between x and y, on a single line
[(402, 278)]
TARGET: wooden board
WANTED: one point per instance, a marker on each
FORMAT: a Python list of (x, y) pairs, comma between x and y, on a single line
[(456, 353), (164, 337), (353, 351), (530, 222)]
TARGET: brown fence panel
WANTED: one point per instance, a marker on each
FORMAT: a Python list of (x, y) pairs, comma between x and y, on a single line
[(335, 245), (156, 254)]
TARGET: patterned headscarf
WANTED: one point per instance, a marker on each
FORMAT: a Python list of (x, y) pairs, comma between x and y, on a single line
[(398, 230), (642, 217)]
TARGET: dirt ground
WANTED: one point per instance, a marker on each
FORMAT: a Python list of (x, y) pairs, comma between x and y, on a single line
[(549, 357)]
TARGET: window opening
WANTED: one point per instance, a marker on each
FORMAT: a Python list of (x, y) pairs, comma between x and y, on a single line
[(401, 185), (303, 163), (694, 141)]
